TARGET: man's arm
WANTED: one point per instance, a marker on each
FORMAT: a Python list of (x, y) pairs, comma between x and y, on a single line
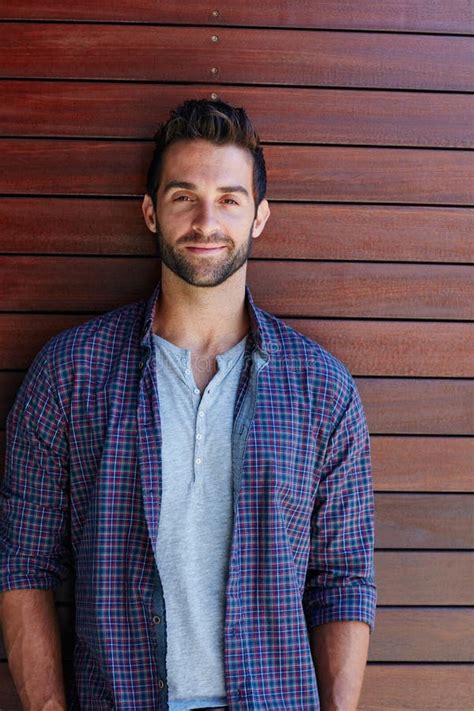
[(340, 594), (31, 634), (340, 652), (34, 539)]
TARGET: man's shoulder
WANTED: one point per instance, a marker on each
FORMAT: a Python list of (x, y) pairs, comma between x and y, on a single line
[(100, 336), (307, 365), (294, 346)]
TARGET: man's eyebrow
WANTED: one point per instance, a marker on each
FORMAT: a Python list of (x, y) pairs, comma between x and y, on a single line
[(183, 185), (234, 189), (179, 184)]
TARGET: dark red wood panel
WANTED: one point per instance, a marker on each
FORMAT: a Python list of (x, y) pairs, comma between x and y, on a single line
[(285, 57), (322, 173), (424, 521), (404, 15), (453, 398), (404, 687), (289, 115), (37, 225), (285, 288), (417, 687), (425, 406), (413, 578), (404, 634), (417, 463), (397, 348), (423, 635)]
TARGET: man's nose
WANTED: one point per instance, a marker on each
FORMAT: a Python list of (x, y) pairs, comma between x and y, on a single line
[(205, 220)]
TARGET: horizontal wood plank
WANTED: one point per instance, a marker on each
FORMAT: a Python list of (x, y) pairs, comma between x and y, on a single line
[(405, 578), (424, 578), (189, 54), (390, 687), (400, 635), (412, 464), (436, 464), (423, 635), (424, 406), (332, 289), (303, 173), (35, 225), (392, 405), (281, 115), (382, 348), (393, 15), (417, 687), (424, 521)]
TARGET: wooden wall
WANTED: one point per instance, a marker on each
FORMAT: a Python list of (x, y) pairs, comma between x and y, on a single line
[(367, 116)]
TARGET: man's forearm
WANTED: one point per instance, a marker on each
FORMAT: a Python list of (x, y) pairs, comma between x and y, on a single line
[(339, 652), (31, 633)]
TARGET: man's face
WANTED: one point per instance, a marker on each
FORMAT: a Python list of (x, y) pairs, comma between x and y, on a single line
[(205, 211)]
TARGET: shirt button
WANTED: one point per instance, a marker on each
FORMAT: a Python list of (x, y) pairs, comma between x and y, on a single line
[(198, 461), (156, 619), (161, 683)]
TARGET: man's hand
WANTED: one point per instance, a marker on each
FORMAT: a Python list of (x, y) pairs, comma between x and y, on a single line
[(339, 651)]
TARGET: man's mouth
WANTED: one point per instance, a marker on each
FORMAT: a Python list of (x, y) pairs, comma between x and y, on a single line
[(206, 250)]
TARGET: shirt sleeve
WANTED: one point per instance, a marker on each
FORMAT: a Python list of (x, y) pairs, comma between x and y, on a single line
[(34, 491), (340, 582)]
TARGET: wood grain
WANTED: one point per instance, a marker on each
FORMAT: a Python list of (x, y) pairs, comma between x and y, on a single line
[(387, 687), (417, 687), (415, 578), (423, 635), (400, 635), (392, 406), (42, 225), (424, 521), (404, 15), (411, 464), (367, 348), (417, 463), (284, 114), (305, 58), (304, 289), (302, 173)]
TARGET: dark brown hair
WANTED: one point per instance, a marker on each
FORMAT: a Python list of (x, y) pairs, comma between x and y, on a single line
[(214, 121)]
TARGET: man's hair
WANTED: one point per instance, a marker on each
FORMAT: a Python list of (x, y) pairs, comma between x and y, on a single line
[(213, 121)]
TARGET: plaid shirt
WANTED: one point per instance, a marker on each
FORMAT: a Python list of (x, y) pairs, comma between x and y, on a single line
[(82, 489)]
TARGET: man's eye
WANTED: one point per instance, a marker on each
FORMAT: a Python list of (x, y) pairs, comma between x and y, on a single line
[(231, 201), (181, 198)]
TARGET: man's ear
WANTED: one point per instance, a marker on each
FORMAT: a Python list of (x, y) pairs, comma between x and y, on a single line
[(149, 213), (263, 213)]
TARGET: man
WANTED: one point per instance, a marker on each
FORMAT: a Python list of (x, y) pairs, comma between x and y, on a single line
[(203, 467)]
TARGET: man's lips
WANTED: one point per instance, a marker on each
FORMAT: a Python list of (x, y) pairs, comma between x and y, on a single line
[(206, 250)]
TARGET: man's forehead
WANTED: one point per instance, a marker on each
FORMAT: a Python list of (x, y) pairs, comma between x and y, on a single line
[(199, 158)]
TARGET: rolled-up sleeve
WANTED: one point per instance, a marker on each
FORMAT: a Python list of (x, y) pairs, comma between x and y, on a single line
[(34, 551), (340, 582)]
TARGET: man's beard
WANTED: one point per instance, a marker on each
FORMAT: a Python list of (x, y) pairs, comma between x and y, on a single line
[(201, 270)]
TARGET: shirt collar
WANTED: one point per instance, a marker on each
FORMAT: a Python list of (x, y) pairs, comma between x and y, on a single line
[(258, 328)]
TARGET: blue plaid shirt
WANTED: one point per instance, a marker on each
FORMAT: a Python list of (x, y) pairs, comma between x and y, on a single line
[(82, 489)]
